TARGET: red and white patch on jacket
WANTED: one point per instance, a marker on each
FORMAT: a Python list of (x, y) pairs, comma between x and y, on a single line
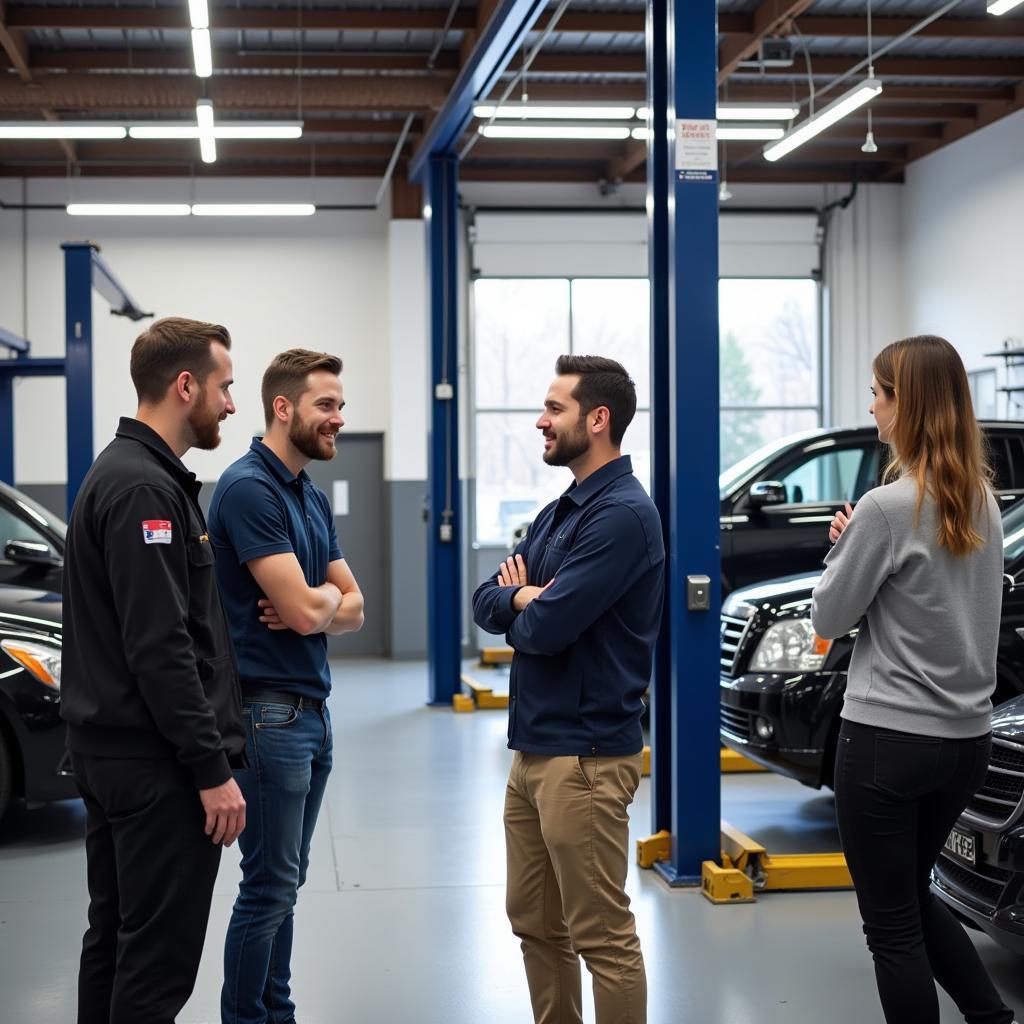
[(156, 531)]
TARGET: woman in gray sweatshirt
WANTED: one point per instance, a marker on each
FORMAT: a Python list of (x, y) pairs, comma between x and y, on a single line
[(918, 567)]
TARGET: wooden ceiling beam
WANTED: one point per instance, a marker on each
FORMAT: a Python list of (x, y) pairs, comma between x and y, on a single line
[(988, 113), (840, 27), (925, 67), (770, 18), (272, 94), (181, 59)]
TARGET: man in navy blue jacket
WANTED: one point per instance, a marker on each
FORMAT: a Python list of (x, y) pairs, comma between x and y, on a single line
[(580, 602)]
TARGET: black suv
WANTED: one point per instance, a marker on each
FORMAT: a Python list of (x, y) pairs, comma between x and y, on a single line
[(31, 732), (980, 873), (781, 686), (776, 503)]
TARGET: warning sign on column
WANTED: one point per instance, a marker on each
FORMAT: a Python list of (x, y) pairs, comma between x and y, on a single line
[(696, 151)]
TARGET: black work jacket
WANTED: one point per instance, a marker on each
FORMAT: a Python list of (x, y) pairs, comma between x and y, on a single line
[(148, 668)]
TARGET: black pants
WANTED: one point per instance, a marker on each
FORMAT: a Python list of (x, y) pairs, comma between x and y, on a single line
[(897, 797), (151, 873)]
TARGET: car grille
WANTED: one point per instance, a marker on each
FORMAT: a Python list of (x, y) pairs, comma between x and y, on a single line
[(733, 631), (998, 801), (734, 722), (982, 883)]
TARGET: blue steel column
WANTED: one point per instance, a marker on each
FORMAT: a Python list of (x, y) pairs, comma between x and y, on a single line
[(78, 258), (7, 426), (444, 574), (692, 218), (658, 271)]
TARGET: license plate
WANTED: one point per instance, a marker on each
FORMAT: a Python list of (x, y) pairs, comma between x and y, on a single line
[(961, 846)]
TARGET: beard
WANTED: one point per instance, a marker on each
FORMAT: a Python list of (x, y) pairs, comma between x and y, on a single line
[(569, 447), (308, 440), (205, 425)]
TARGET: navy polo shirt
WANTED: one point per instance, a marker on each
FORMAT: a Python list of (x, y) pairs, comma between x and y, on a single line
[(260, 507), (583, 648)]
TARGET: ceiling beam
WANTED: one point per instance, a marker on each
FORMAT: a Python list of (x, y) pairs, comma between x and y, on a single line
[(161, 60), (770, 18), (988, 113), (633, 154), (930, 67), (894, 93), (277, 94), (888, 28)]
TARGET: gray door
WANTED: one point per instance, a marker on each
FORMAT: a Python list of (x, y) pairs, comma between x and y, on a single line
[(354, 482)]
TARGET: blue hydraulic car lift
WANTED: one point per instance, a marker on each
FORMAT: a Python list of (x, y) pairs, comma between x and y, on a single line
[(437, 163), (683, 235), (84, 270)]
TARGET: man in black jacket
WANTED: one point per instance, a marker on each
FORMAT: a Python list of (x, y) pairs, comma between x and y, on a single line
[(149, 688)]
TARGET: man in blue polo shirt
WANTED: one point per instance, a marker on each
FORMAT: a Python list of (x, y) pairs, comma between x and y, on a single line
[(285, 585), (580, 602)]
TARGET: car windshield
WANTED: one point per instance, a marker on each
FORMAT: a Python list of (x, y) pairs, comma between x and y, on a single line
[(36, 513), (754, 463), (1013, 533)]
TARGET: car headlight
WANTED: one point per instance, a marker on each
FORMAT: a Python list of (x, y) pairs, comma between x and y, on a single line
[(790, 646), (39, 659)]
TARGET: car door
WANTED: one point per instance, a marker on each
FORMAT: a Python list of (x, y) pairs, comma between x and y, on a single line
[(792, 536), (1006, 454), (16, 526)]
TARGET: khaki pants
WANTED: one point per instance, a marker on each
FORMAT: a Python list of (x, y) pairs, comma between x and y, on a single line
[(566, 842)]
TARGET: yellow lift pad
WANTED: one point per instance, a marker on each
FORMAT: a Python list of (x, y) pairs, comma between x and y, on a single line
[(491, 657), (747, 868), (480, 696), (733, 762)]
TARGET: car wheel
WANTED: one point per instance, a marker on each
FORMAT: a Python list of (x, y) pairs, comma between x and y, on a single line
[(6, 774)]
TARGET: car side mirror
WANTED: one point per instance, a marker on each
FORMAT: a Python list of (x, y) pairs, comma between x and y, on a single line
[(30, 552), (767, 492)]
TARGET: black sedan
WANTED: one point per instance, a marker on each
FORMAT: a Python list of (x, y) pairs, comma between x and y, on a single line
[(782, 686), (980, 873), (31, 731)]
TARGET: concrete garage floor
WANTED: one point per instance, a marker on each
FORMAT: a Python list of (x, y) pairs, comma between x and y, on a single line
[(402, 921)]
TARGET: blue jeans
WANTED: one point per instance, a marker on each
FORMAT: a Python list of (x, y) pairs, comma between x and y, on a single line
[(289, 752)]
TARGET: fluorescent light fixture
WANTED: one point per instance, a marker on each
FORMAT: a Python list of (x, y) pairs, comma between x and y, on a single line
[(551, 132), (742, 133), (221, 130), (756, 112), (60, 130), (202, 53), (253, 210), (204, 120), (850, 101), (747, 111), (1002, 6), (555, 113), (199, 12), (749, 133), (128, 209)]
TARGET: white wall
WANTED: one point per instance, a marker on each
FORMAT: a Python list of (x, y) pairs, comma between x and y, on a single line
[(964, 229), (318, 282)]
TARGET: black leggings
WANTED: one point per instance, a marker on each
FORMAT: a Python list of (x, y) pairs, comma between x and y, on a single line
[(897, 797)]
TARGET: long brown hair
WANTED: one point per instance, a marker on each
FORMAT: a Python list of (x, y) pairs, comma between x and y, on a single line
[(934, 435)]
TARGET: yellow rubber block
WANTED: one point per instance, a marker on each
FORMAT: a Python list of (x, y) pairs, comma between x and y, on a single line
[(495, 656), (482, 695), (787, 872), (725, 885), (463, 702), (654, 848), (738, 849), (733, 762), (646, 768)]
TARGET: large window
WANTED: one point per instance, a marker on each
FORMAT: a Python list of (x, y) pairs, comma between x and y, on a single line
[(769, 354)]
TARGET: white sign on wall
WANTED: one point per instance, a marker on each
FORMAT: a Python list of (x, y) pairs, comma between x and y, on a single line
[(341, 497), (696, 150)]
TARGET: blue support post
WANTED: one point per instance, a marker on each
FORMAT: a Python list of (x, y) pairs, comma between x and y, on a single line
[(78, 260), (7, 427), (444, 590), (661, 422), (691, 214)]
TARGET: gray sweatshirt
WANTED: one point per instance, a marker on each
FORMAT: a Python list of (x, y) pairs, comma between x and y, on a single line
[(925, 658)]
